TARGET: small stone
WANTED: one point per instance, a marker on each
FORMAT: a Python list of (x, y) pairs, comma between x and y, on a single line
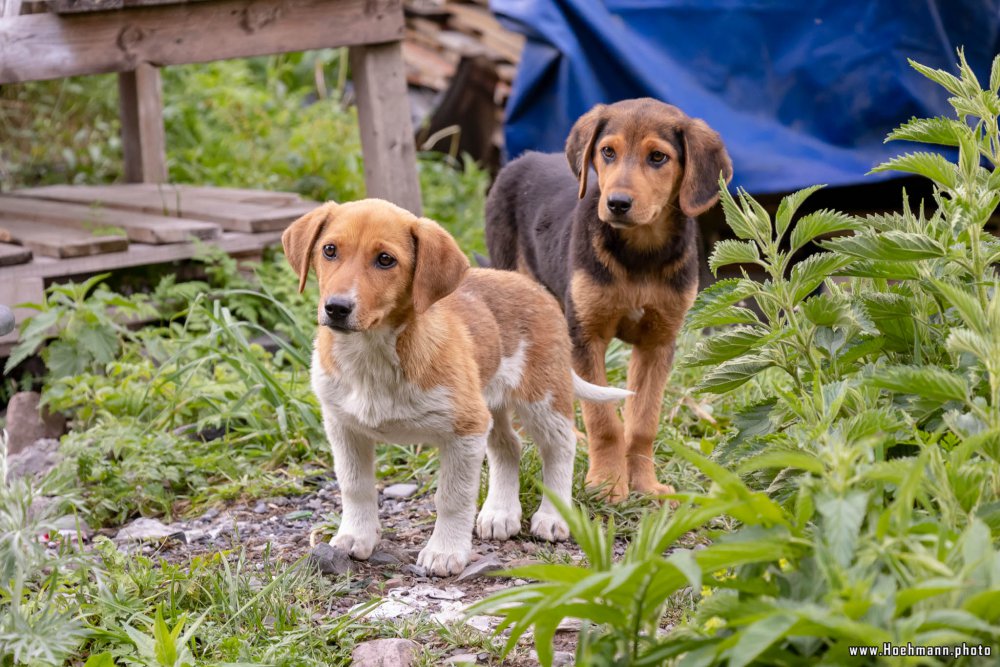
[(480, 568), (27, 422), (395, 582), (146, 529), (34, 461), (383, 558), (559, 658), (385, 653), (260, 508), (277, 501), (329, 560), (6, 320), (209, 514), (463, 659), (414, 570), (400, 490)]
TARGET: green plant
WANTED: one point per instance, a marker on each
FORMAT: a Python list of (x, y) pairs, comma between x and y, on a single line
[(866, 451)]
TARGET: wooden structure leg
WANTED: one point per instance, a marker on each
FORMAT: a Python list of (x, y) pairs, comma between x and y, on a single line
[(143, 137), (386, 129)]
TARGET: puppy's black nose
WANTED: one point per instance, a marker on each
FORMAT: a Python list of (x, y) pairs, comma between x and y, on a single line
[(338, 309), (618, 203)]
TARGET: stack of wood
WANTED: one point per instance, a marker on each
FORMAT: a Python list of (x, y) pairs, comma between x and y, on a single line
[(458, 48)]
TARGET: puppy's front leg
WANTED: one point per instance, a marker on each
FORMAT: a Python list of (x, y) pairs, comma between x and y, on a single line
[(354, 463), (450, 546)]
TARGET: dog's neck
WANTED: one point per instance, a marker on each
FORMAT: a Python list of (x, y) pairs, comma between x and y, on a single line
[(376, 355), (656, 234)]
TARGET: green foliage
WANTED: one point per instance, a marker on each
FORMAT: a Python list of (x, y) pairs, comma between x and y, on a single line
[(867, 456)]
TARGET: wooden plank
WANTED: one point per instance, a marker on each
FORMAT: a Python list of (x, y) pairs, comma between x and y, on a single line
[(230, 215), (244, 195), (75, 6), (138, 254), (10, 8), (386, 129), (140, 227), (51, 46), (144, 144), (49, 240), (13, 254)]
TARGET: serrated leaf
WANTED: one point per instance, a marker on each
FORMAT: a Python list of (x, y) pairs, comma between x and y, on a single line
[(842, 519), (995, 75), (731, 251), (823, 310), (818, 224), (742, 226), (928, 165), (789, 205), (723, 293), (928, 381), (965, 304), (757, 637), (892, 246), (731, 374), (947, 80), (725, 345), (810, 273), (723, 317), (941, 131), (864, 268)]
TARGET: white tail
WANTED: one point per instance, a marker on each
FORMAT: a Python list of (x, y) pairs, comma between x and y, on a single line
[(596, 394)]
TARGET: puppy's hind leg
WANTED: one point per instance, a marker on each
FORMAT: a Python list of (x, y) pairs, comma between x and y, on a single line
[(500, 518), (553, 433)]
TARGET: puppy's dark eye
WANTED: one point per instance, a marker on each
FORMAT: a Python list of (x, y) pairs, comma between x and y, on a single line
[(330, 251), (608, 152), (385, 261), (656, 157)]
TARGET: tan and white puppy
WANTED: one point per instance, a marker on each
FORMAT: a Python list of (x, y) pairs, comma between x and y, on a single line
[(413, 346)]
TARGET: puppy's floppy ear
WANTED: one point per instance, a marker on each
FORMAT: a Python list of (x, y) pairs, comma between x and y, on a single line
[(300, 238), (580, 144), (705, 157), (439, 266)]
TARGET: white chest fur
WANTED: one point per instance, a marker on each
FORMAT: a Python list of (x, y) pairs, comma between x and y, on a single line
[(369, 393)]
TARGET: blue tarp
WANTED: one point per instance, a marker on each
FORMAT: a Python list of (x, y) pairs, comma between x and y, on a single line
[(801, 92)]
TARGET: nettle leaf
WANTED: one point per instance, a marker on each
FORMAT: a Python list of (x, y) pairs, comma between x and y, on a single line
[(810, 273), (733, 373), (818, 224), (759, 636), (929, 165), (964, 303), (939, 130), (968, 341), (893, 246), (726, 345), (720, 295), (948, 81), (789, 205), (742, 225), (842, 519), (731, 251), (930, 382), (824, 310), (723, 317), (892, 315), (995, 75), (865, 268)]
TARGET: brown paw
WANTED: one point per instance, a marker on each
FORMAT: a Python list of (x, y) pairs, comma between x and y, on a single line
[(614, 490), (655, 489)]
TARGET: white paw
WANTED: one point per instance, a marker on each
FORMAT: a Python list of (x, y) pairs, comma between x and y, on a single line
[(549, 527), (498, 524), (359, 547), (443, 562)]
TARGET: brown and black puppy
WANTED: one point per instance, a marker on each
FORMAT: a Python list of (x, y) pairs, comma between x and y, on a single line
[(620, 254)]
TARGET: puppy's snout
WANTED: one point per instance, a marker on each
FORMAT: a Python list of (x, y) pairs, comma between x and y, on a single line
[(619, 203), (338, 309)]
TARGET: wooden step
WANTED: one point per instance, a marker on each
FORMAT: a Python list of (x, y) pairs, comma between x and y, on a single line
[(139, 227), (13, 254), (244, 195), (51, 240), (239, 216)]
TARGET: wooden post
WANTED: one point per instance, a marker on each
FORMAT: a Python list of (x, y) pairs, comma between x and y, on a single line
[(143, 141), (386, 129)]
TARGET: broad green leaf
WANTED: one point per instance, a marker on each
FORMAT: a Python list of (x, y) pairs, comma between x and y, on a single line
[(842, 518), (789, 205), (824, 310), (810, 273), (100, 660), (743, 225), (782, 459), (923, 590), (722, 317), (893, 246), (881, 269), (927, 381), (995, 75), (818, 224), (718, 297), (985, 605), (948, 81), (725, 345), (758, 637), (941, 131), (964, 303), (732, 374), (100, 343), (929, 165), (730, 251)]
